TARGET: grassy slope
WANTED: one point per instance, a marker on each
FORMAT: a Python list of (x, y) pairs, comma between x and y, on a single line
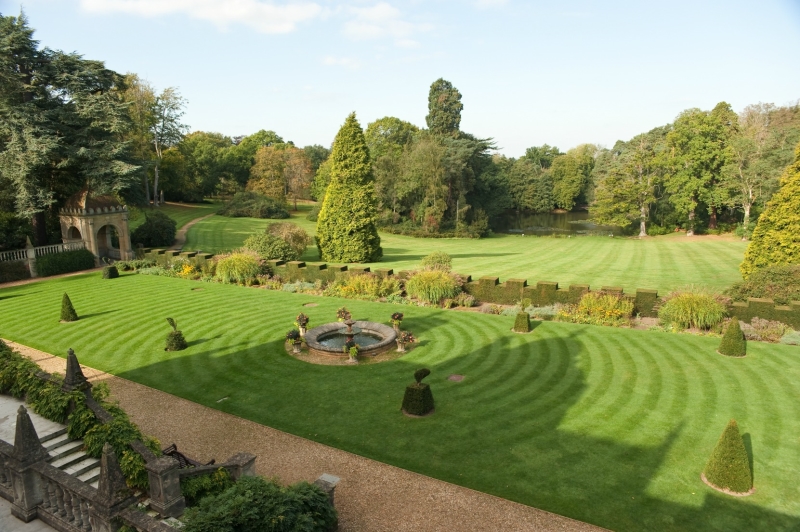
[(182, 213), (661, 263), (605, 425)]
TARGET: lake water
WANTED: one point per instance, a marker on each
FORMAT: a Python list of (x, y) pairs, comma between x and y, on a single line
[(554, 223)]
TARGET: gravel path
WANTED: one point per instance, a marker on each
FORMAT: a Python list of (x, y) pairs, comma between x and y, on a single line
[(371, 496)]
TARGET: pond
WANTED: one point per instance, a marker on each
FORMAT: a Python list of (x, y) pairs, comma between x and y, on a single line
[(554, 223)]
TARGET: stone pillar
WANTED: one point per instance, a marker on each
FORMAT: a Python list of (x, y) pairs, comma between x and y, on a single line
[(113, 494), (241, 465), (328, 484), (26, 482), (30, 252), (165, 486)]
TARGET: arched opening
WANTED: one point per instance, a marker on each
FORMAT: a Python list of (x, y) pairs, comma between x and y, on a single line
[(73, 233), (108, 242)]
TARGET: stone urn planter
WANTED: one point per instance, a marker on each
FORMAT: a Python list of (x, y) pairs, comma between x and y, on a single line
[(401, 346), (397, 319), (403, 338), (301, 321), (296, 347)]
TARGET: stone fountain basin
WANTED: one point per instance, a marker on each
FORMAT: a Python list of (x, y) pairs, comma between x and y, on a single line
[(386, 333)]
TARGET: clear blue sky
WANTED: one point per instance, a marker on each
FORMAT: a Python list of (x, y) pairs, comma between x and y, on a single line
[(531, 72)]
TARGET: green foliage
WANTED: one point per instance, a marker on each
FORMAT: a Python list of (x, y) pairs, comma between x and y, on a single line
[(67, 310), (136, 264), (175, 341), (110, 272), (733, 343), (522, 323), (254, 504), (364, 285), (254, 205), (11, 271), (764, 330), (779, 282), (438, 260), (444, 108), (270, 247), (791, 338), (421, 374), (598, 308), (571, 175), (776, 238), (293, 235), (158, 230), (729, 466), (64, 262), (433, 286), (208, 485), (238, 268), (692, 307), (418, 399), (346, 229)]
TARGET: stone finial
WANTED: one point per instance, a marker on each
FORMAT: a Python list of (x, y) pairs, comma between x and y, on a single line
[(112, 487), (74, 379), (27, 447)]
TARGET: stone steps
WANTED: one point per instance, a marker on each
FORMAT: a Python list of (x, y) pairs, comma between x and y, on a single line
[(68, 455)]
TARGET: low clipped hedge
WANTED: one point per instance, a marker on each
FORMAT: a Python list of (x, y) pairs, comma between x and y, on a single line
[(66, 262), (110, 272), (522, 323), (255, 504), (11, 271)]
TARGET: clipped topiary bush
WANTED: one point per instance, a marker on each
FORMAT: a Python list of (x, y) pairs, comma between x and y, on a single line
[(110, 272), (254, 504), (346, 230), (733, 343), (522, 323), (67, 310), (158, 230), (433, 286), (238, 268), (728, 468), (175, 339), (418, 399), (270, 247), (438, 260), (692, 307), (64, 262), (254, 205)]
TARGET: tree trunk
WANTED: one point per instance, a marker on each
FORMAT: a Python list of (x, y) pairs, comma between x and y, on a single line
[(746, 221), (147, 188), (712, 221), (155, 187), (690, 228), (642, 227), (39, 223)]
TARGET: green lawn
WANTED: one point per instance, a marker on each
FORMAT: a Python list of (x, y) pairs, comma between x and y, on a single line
[(662, 263), (182, 213), (609, 426)]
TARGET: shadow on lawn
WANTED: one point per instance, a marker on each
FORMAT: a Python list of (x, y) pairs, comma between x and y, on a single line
[(497, 431)]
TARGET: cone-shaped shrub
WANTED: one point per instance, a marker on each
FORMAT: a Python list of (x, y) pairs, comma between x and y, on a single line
[(175, 339), (733, 343), (110, 272), (346, 229), (418, 400), (523, 322), (67, 310), (729, 467)]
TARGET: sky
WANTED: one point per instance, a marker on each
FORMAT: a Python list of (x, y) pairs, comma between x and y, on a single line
[(530, 72)]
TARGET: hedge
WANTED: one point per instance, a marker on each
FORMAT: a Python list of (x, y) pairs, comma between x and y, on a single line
[(65, 262), (11, 271)]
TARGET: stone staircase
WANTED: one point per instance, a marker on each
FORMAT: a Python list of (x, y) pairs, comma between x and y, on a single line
[(67, 455)]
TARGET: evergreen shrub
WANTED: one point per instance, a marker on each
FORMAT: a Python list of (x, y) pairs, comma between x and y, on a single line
[(522, 323), (776, 238), (110, 272), (418, 399), (210, 484), (11, 271), (779, 282), (293, 235), (433, 286), (692, 307), (254, 205), (733, 343), (65, 262), (438, 260), (175, 339), (157, 230), (67, 310), (238, 268), (254, 504), (728, 467), (270, 247)]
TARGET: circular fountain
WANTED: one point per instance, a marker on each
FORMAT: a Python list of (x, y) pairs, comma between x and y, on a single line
[(329, 339)]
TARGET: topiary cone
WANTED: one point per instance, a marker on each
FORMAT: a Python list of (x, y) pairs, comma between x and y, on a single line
[(733, 343), (67, 310), (728, 468)]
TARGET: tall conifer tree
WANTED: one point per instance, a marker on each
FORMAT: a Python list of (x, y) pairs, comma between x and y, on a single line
[(346, 229)]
